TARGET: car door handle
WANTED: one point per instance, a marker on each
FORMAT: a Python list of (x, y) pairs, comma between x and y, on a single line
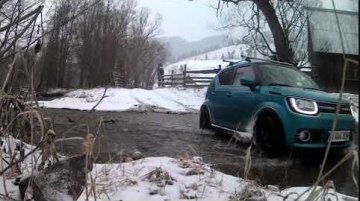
[(212, 93), (229, 94)]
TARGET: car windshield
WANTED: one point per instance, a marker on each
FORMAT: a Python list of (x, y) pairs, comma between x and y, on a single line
[(285, 76)]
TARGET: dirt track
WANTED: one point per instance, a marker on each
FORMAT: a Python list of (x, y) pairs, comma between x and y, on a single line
[(159, 134)]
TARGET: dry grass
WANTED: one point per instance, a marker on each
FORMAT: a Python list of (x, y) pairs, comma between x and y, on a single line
[(21, 119)]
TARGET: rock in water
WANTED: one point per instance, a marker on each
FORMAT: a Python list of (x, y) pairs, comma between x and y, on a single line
[(64, 180), (136, 155)]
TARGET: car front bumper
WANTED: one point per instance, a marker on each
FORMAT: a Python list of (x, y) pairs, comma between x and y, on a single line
[(319, 127)]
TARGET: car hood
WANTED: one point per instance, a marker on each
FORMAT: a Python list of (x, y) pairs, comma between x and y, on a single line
[(312, 94)]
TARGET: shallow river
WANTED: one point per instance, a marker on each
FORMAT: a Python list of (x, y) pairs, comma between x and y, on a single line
[(160, 134)]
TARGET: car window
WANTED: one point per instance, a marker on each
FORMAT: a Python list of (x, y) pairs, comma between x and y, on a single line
[(280, 75), (244, 72), (226, 77)]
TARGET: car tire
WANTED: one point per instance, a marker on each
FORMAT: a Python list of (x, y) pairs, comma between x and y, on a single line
[(270, 137), (204, 119)]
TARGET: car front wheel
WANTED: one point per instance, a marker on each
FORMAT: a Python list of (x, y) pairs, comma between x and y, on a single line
[(269, 136)]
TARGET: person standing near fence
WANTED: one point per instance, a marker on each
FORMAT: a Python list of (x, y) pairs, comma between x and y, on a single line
[(160, 73)]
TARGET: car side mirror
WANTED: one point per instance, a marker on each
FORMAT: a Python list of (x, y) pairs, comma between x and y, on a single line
[(248, 82)]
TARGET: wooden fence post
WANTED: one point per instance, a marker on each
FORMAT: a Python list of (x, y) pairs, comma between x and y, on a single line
[(184, 74)]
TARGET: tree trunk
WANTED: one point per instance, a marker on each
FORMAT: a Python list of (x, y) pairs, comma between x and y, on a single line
[(283, 49)]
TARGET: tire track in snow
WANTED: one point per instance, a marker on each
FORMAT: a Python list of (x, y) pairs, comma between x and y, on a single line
[(186, 107), (148, 106), (138, 100)]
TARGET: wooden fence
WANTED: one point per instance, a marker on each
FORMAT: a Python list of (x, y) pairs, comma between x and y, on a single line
[(188, 78)]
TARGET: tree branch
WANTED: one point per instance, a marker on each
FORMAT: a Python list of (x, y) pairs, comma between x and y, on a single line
[(103, 96), (36, 11), (22, 159)]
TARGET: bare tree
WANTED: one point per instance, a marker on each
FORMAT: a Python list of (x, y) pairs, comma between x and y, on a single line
[(139, 45), (17, 20), (155, 53), (103, 36), (110, 42), (57, 52), (20, 24), (274, 27)]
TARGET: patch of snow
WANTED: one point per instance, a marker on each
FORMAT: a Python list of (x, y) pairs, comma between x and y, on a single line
[(11, 145), (132, 181), (294, 193), (354, 104), (12, 190), (305, 69), (57, 90), (120, 99)]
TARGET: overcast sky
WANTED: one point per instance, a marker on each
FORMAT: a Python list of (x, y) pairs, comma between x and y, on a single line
[(191, 20)]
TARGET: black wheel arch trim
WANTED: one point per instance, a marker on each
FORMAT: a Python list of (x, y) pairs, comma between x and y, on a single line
[(208, 110), (272, 112)]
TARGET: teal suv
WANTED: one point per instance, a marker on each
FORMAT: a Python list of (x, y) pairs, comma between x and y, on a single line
[(281, 106)]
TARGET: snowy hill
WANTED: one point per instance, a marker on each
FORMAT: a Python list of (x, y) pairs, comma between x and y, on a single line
[(212, 59), (230, 52), (194, 65), (180, 48)]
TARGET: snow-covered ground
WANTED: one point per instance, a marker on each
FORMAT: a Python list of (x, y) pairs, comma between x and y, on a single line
[(120, 99), (175, 100), (163, 178)]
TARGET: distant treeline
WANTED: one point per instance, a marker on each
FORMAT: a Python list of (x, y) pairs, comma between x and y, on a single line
[(111, 38), (84, 43)]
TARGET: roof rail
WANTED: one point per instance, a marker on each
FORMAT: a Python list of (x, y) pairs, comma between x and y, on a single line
[(272, 61), (231, 62), (250, 59)]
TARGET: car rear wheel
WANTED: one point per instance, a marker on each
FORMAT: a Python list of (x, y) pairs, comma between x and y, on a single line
[(270, 137), (204, 119)]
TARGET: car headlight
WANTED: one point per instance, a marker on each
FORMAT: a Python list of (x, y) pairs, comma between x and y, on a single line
[(303, 106)]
